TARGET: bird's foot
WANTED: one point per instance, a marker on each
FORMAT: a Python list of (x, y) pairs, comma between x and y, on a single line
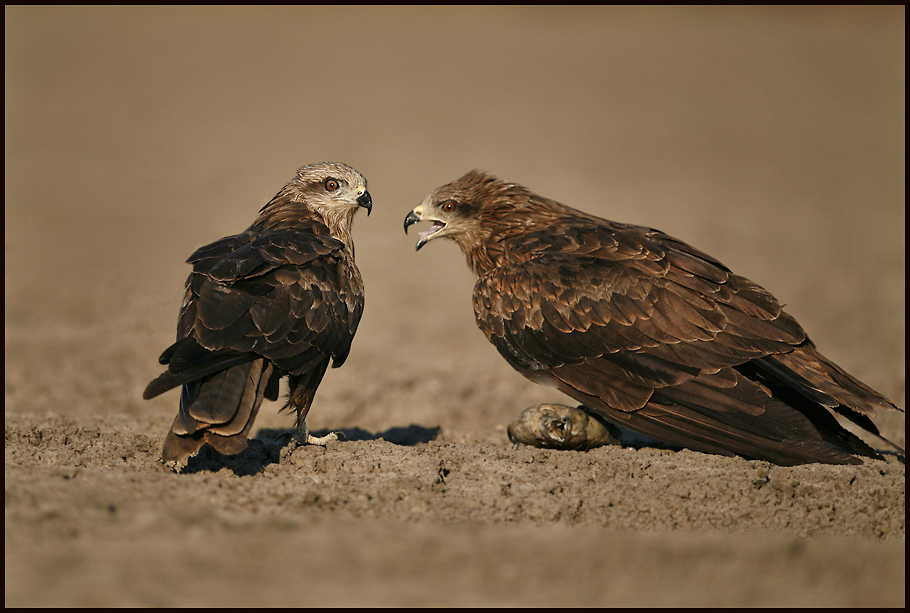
[(303, 436), (292, 441), (322, 441)]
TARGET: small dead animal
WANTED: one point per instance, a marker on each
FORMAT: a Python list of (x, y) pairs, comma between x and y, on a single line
[(557, 426)]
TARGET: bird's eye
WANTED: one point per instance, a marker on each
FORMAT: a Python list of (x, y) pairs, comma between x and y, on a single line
[(331, 184), (448, 207)]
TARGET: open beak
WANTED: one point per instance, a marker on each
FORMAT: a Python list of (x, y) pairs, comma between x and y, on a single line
[(417, 215), (366, 202)]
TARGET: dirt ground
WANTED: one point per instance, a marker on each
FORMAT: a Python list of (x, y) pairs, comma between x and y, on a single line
[(772, 138)]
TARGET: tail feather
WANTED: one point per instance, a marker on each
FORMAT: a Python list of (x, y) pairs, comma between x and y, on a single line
[(177, 446), (823, 381), (813, 384), (219, 410), (250, 401), (221, 396)]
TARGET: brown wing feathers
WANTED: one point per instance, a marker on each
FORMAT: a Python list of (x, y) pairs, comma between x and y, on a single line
[(277, 311)]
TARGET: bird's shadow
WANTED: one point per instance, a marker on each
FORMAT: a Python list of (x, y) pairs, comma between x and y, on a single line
[(265, 448)]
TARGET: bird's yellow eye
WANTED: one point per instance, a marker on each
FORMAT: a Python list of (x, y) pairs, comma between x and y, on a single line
[(448, 207), (331, 184)]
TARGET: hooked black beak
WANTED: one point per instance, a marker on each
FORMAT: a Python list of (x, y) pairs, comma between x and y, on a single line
[(410, 219), (366, 202)]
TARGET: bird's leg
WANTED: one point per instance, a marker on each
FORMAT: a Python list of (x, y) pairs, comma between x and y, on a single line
[(303, 436), (303, 390)]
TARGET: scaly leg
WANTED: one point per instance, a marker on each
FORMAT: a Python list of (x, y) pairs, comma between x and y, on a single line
[(303, 390), (303, 437)]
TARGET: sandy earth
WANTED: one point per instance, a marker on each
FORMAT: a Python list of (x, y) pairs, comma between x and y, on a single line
[(772, 139)]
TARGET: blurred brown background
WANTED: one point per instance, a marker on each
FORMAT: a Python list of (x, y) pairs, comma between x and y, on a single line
[(771, 138)]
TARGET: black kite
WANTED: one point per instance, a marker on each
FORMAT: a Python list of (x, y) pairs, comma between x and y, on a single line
[(284, 297), (645, 330)]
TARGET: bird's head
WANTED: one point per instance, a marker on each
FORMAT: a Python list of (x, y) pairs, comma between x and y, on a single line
[(332, 189), (457, 209), (477, 211)]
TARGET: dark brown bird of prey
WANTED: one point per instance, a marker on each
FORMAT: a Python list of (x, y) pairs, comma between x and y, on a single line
[(646, 331), (283, 297)]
